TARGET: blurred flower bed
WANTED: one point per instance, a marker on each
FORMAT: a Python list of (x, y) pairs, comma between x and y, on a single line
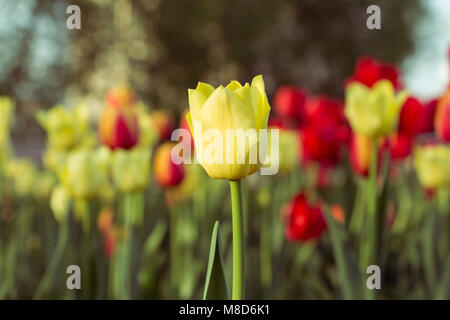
[(362, 181)]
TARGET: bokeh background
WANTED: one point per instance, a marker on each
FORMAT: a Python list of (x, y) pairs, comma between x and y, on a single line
[(160, 48)]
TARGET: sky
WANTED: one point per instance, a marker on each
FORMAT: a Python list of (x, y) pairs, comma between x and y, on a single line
[(426, 71)]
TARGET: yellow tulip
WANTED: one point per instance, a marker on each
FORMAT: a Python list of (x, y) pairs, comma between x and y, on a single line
[(289, 150), (131, 169), (84, 173), (60, 202), (373, 111), (432, 165), (45, 181), (66, 128), (231, 107), (23, 173)]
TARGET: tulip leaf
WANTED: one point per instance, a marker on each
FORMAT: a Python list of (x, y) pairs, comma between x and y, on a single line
[(345, 262), (215, 285), (151, 260)]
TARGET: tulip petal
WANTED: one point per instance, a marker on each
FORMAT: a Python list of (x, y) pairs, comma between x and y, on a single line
[(196, 102), (205, 89), (224, 110), (234, 85), (260, 103)]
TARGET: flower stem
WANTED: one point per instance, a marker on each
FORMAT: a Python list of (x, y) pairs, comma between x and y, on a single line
[(238, 244), (371, 247)]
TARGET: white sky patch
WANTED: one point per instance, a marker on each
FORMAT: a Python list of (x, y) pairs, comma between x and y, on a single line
[(426, 71)]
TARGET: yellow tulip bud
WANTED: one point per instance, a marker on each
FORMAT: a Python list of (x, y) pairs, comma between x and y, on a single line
[(217, 110), (289, 150), (84, 173), (60, 202), (45, 181), (373, 111), (131, 169), (66, 128), (432, 165), (23, 174)]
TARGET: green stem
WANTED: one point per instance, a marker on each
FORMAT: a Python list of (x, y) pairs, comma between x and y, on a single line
[(372, 201), (265, 247), (369, 248), (357, 217), (174, 275), (429, 249), (133, 211), (238, 244), (47, 281)]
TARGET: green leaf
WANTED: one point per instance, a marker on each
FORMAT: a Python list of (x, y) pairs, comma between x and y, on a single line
[(151, 260), (215, 285), (346, 264)]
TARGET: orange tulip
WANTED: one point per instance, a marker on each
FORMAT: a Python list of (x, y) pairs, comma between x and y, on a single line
[(167, 173), (118, 125), (442, 118), (360, 154)]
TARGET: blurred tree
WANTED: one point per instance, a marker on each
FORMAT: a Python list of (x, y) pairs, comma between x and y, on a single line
[(163, 47)]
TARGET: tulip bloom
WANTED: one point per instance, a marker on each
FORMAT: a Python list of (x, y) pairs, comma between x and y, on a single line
[(304, 222), (289, 150), (400, 145), (118, 125), (60, 202), (232, 107), (167, 173), (442, 120), (131, 169), (427, 119), (325, 131), (289, 102), (369, 71), (373, 111), (360, 149), (84, 174), (120, 96), (360, 153), (65, 128), (410, 117), (432, 165)]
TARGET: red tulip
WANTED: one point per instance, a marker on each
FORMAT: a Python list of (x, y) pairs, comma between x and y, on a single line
[(281, 123), (109, 242), (167, 173), (411, 113), (400, 145), (289, 102), (118, 124), (427, 119), (368, 71), (442, 118), (304, 222), (120, 96), (325, 131)]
